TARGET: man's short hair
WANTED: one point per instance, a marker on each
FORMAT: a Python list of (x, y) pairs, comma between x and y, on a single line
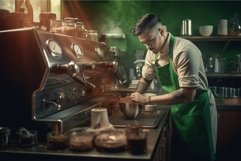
[(146, 21)]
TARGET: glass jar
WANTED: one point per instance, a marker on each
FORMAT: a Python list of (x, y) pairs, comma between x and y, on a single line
[(56, 141), (57, 26), (70, 26), (136, 139), (81, 31), (92, 35), (4, 136), (81, 141)]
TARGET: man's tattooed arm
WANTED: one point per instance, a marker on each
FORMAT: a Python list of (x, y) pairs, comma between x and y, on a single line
[(181, 95), (142, 85)]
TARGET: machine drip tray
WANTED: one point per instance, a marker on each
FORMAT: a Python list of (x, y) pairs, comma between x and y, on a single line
[(145, 119)]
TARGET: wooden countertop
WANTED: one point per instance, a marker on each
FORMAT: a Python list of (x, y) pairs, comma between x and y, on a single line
[(41, 153), (228, 104)]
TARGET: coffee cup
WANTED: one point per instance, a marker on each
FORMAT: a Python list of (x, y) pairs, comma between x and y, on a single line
[(99, 118)]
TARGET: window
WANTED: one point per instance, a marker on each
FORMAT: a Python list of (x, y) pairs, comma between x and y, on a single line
[(8, 5), (55, 7), (38, 7)]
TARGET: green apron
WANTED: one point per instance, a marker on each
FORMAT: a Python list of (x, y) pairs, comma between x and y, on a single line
[(191, 121)]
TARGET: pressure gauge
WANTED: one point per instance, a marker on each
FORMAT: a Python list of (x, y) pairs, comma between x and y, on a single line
[(54, 48), (77, 50), (99, 52)]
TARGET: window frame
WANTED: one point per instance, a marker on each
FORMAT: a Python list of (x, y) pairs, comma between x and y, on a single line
[(45, 6)]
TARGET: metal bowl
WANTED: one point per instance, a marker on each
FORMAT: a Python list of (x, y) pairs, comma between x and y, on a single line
[(130, 110)]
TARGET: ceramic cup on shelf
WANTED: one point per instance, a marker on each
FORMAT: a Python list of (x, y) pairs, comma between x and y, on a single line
[(206, 30), (222, 28)]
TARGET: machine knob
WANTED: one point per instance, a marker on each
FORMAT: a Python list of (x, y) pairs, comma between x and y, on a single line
[(71, 67), (55, 104), (83, 92), (61, 97)]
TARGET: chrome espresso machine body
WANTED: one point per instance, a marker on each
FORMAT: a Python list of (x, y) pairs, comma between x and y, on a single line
[(53, 79)]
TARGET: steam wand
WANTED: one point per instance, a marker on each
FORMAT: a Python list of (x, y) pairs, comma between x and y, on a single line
[(81, 79), (73, 70)]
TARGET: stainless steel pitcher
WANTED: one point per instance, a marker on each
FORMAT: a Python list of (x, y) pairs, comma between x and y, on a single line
[(219, 65), (216, 65)]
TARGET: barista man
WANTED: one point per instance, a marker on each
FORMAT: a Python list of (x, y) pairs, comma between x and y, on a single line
[(178, 66)]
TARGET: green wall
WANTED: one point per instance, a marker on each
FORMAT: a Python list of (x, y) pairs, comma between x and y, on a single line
[(124, 13)]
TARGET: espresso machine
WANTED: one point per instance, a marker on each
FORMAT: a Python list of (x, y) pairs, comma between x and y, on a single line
[(51, 81), (136, 74)]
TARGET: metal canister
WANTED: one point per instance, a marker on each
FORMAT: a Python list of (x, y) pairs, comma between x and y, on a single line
[(186, 28), (189, 27), (183, 27), (236, 92), (92, 35), (223, 92), (231, 92)]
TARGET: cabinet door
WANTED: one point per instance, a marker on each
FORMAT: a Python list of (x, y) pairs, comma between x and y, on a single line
[(163, 146), (229, 136)]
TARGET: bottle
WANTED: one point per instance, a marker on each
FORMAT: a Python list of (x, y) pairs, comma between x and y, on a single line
[(218, 65), (210, 65), (234, 25)]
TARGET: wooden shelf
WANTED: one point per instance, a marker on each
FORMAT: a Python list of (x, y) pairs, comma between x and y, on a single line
[(223, 75), (229, 101), (212, 38)]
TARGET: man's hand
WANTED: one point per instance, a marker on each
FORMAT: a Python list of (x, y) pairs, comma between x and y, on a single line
[(139, 98), (179, 96)]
